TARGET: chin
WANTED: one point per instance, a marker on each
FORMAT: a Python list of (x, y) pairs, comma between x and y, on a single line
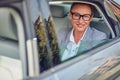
[(81, 29)]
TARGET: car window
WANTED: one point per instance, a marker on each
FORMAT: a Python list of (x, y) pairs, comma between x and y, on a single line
[(115, 8), (42, 44), (46, 39), (61, 22), (10, 61), (117, 1), (47, 27)]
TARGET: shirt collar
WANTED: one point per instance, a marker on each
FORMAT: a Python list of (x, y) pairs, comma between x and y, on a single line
[(72, 37)]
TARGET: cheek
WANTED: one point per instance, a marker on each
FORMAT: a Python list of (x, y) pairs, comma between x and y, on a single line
[(87, 23), (73, 22)]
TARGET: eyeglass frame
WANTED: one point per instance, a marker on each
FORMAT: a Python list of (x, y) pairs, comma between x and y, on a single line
[(81, 16)]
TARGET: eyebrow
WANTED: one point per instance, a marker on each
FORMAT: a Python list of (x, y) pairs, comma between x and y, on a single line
[(80, 14)]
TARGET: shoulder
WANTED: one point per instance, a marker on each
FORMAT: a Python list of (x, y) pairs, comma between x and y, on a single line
[(63, 34), (97, 34)]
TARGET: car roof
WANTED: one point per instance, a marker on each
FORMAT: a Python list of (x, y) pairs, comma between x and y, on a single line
[(79, 0), (9, 1), (94, 1)]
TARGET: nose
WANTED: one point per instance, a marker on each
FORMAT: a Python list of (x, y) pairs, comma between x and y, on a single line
[(81, 20)]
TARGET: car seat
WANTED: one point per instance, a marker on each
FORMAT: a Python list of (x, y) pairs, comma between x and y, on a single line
[(60, 18)]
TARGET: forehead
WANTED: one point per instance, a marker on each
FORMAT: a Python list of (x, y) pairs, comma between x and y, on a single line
[(81, 8)]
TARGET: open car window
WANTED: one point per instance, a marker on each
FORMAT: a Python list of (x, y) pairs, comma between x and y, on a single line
[(61, 21)]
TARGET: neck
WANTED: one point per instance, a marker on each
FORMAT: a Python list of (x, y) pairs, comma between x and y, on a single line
[(78, 35)]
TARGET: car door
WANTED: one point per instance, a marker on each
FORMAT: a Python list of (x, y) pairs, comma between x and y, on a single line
[(20, 53), (78, 67)]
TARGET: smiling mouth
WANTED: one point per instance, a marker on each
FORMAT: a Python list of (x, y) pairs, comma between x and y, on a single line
[(80, 26)]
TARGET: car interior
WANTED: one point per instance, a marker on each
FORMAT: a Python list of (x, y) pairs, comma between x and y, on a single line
[(8, 35), (9, 50), (61, 19)]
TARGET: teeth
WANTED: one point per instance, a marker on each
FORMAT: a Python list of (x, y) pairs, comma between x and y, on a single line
[(80, 25)]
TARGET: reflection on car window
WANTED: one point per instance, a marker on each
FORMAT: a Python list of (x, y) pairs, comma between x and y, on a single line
[(115, 9), (53, 42), (107, 71), (10, 63), (117, 1), (48, 56), (42, 45), (63, 26)]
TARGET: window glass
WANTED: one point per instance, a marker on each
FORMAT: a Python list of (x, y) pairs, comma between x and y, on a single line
[(117, 1), (42, 44), (63, 25), (48, 56), (53, 42), (46, 38), (115, 8), (106, 71), (10, 63)]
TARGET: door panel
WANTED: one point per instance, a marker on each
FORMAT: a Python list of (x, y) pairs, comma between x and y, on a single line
[(77, 67), (10, 61)]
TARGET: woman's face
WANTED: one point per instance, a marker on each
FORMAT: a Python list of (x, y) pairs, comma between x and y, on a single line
[(80, 16)]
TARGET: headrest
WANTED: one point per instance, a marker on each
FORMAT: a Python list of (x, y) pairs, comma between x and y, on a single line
[(96, 13), (7, 25), (58, 11)]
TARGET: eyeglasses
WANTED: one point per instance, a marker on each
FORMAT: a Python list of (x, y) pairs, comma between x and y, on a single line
[(77, 16)]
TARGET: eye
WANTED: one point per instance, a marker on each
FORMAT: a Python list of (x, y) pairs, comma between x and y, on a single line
[(87, 16), (76, 14)]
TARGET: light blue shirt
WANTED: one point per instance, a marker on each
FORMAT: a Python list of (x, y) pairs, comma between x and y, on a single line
[(72, 47)]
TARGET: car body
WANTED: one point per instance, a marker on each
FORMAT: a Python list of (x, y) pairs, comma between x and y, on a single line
[(29, 43)]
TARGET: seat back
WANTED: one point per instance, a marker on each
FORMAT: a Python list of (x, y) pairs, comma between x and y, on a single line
[(59, 13)]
